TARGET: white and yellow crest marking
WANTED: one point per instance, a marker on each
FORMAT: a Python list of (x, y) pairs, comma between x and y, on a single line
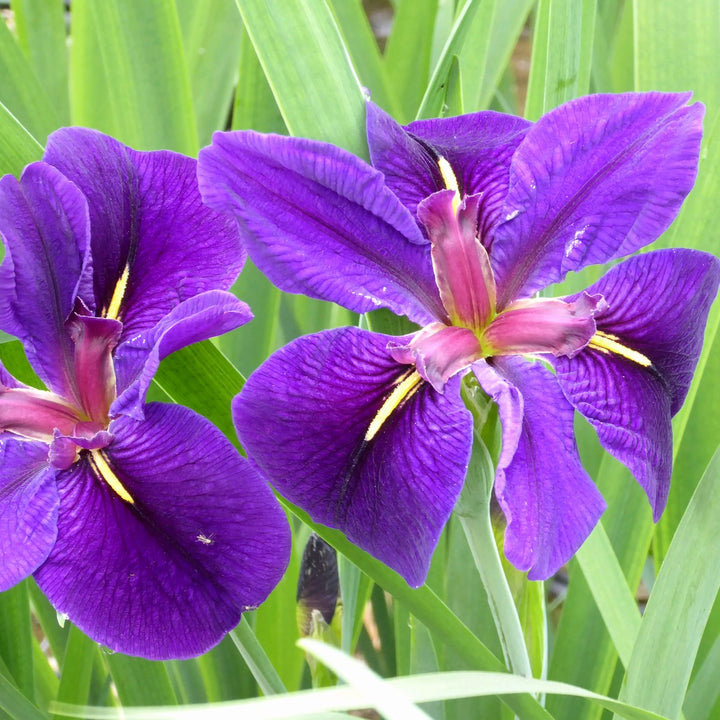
[(450, 180)]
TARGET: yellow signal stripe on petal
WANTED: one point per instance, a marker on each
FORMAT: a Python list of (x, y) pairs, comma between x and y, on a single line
[(609, 344), (403, 390), (450, 180), (101, 467), (118, 294)]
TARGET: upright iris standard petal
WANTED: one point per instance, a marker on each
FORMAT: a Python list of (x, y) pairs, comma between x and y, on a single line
[(154, 243), (550, 502), (28, 510), (631, 380), (594, 180), (168, 575), (319, 221), (477, 146), (360, 442), (45, 228)]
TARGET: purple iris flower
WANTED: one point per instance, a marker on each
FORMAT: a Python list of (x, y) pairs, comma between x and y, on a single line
[(457, 224), (141, 522)]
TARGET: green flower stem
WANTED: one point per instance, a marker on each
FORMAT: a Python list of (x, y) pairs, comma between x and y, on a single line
[(473, 510)]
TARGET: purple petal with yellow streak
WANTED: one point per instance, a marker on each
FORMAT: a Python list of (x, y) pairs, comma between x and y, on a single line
[(478, 147), (169, 575), (146, 215), (658, 305), (309, 418)]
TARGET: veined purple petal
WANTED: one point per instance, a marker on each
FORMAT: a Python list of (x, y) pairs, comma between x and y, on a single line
[(593, 180), (550, 502), (460, 262), (543, 325), (319, 221), (199, 318), (44, 224), (28, 509), (658, 307), (167, 576), (146, 216), (311, 418), (477, 146), (65, 449)]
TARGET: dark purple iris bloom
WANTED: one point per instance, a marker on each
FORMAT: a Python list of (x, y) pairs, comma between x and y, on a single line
[(139, 521), (457, 224)]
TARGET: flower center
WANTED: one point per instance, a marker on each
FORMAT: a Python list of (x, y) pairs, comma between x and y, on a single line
[(475, 327)]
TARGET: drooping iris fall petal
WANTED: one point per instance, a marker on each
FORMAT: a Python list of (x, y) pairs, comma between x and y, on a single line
[(28, 509), (550, 502), (386, 469), (168, 575), (653, 326)]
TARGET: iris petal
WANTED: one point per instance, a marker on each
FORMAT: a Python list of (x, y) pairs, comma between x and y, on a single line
[(28, 509), (44, 221), (146, 215), (307, 416), (169, 575), (477, 146), (658, 306), (199, 318), (594, 180), (319, 221), (550, 502)]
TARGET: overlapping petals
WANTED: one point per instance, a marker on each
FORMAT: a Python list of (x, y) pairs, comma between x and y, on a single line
[(141, 522), (306, 417), (477, 146), (173, 255)]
